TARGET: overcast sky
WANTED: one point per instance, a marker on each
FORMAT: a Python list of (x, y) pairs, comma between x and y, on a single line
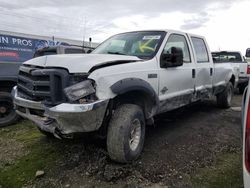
[(224, 23)]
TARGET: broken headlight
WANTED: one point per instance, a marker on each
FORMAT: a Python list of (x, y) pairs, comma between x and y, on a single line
[(79, 90)]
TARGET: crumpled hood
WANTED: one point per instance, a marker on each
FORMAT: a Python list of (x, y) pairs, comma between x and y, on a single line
[(79, 63)]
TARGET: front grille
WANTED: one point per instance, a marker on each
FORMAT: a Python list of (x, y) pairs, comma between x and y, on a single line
[(42, 84)]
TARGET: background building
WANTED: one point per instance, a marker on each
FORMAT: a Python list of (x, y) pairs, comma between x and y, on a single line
[(19, 47)]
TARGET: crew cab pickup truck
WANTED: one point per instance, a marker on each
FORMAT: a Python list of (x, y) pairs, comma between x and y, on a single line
[(238, 63), (119, 88)]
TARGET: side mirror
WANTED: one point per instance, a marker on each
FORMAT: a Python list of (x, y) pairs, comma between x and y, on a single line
[(173, 59)]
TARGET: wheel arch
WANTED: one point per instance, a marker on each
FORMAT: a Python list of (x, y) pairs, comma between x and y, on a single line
[(136, 91)]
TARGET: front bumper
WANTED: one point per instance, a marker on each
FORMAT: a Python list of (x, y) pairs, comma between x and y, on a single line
[(64, 118)]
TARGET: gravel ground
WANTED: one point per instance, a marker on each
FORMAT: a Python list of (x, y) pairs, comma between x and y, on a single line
[(180, 143)]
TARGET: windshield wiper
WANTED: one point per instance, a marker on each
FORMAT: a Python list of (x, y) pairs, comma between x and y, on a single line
[(117, 53)]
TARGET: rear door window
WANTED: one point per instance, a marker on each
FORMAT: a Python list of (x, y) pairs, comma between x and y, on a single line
[(200, 49)]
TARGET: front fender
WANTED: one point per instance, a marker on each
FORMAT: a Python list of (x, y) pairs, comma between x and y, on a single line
[(132, 84), (135, 84)]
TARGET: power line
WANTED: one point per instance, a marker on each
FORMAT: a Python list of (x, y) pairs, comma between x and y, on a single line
[(38, 19), (35, 17), (65, 25), (50, 25), (55, 32)]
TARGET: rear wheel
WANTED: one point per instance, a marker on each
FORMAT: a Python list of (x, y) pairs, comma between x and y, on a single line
[(126, 133), (8, 115), (224, 98)]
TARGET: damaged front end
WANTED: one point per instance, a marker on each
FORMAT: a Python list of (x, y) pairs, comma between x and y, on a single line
[(62, 108)]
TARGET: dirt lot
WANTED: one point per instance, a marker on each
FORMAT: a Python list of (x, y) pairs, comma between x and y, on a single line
[(197, 146)]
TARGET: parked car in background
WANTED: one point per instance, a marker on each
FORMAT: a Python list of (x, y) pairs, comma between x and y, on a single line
[(238, 63), (60, 49), (119, 88)]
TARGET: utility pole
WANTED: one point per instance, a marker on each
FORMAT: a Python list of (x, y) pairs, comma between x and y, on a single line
[(84, 31)]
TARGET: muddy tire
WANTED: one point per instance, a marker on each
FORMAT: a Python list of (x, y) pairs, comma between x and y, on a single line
[(224, 98), (8, 115), (126, 133)]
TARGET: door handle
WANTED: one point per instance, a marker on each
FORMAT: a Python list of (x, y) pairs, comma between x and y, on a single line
[(211, 71), (193, 73)]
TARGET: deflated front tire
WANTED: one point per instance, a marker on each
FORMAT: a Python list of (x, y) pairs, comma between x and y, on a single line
[(126, 133)]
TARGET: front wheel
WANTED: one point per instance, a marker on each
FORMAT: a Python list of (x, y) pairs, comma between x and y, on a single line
[(126, 133), (224, 99)]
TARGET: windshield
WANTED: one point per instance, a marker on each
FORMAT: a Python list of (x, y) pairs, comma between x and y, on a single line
[(143, 44), (232, 57)]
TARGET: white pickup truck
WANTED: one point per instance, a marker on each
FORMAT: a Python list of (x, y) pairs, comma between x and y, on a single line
[(238, 63), (118, 88)]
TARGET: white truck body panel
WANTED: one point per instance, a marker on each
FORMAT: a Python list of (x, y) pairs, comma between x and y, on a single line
[(204, 78), (77, 63), (243, 69), (221, 75), (107, 76), (170, 78)]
